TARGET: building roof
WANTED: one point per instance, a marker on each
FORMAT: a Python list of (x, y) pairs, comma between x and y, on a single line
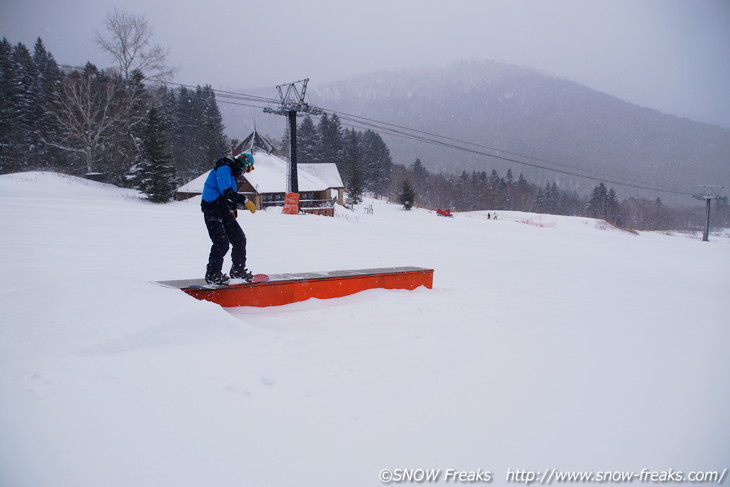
[(254, 143), (270, 174)]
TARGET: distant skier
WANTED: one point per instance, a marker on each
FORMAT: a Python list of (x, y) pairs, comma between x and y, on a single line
[(219, 205)]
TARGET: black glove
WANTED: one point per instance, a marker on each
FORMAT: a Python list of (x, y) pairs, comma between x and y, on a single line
[(235, 198)]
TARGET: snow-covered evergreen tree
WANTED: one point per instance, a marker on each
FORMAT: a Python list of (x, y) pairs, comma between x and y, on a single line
[(21, 113), (352, 162), (377, 163), (330, 132), (6, 106), (308, 141), (47, 78), (213, 139), (407, 196), (604, 204), (419, 169), (197, 133), (155, 173)]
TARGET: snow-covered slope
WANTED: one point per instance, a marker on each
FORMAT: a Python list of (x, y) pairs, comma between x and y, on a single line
[(572, 346)]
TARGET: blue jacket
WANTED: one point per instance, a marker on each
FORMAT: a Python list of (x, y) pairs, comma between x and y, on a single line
[(218, 181), (220, 185)]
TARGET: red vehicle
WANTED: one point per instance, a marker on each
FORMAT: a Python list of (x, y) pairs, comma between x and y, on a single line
[(446, 212)]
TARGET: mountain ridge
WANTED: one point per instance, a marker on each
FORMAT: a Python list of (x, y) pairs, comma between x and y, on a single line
[(521, 110)]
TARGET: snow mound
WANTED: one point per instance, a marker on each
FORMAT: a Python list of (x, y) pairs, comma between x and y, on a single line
[(61, 186)]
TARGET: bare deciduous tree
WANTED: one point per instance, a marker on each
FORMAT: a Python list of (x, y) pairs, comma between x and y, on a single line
[(129, 41), (86, 110)]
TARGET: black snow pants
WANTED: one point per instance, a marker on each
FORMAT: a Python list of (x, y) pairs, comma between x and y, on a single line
[(223, 230)]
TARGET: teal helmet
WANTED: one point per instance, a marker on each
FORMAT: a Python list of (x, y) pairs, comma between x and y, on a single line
[(244, 162)]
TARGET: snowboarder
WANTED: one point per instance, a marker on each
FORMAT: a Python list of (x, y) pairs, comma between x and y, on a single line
[(219, 205)]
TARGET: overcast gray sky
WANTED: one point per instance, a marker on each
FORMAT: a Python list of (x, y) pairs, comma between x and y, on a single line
[(672, 55)]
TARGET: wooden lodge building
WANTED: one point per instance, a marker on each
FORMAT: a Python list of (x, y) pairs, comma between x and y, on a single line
[(320, 185)]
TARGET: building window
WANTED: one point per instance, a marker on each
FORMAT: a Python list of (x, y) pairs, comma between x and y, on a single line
[(272, 197)]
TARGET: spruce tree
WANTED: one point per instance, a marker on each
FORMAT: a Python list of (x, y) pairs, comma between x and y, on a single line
[(352, 162), (419, 169), (22, 103), (198, 137), (541, 202), (614, 215), (550, 202), (604, 204), (597, 205), (308, 141), (155, 175), (184, 143), (523, 197), (356, 183), (330, 132), (6, 108), (167, 105), (407, 196), (47, 78), (377, 163), (214, 141), (510, 178)]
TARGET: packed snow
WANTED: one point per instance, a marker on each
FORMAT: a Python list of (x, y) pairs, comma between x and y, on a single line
[(570, 345)]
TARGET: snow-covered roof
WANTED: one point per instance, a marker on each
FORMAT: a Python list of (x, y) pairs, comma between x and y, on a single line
[(325, 172), (270, 172)]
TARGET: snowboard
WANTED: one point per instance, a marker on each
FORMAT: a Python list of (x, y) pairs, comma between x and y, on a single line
[(233, 282), (256, 278)]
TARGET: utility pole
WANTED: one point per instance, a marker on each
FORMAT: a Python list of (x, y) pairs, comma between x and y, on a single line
[(291, 97), (708, 193)]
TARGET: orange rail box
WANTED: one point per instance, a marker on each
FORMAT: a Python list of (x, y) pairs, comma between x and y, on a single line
[(290, 288)]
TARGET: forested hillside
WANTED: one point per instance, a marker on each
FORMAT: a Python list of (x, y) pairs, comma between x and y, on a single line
[(92, 122)]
